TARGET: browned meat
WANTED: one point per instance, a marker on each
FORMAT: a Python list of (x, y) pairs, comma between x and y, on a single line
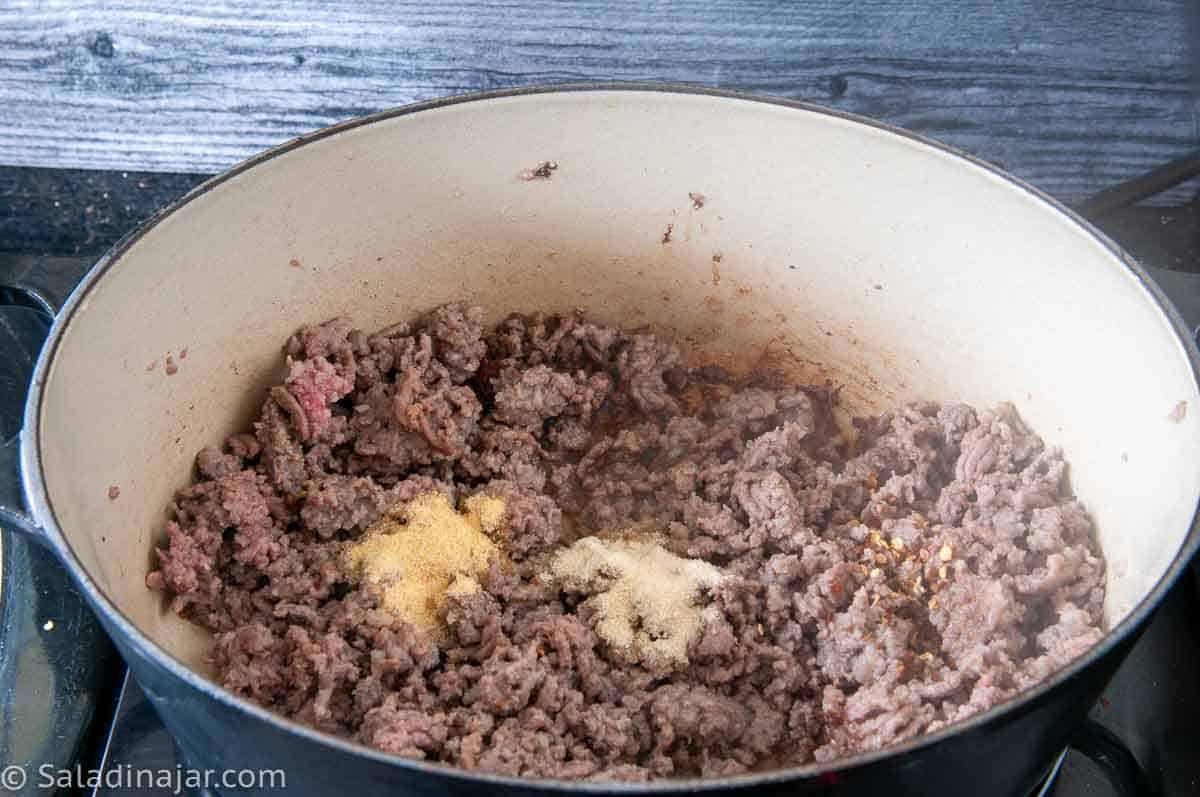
[(870, 593)]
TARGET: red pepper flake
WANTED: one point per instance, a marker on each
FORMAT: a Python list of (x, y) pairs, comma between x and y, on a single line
[(666, 236), (114, 492), (698, 199), (171, 368)]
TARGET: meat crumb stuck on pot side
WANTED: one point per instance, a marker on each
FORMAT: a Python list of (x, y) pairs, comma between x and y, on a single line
[(551, 549)]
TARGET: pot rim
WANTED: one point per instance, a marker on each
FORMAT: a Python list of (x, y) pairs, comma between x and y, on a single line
[(34, 484)]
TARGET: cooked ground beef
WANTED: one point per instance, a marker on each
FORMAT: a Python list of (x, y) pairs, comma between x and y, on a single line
[(877, 588)]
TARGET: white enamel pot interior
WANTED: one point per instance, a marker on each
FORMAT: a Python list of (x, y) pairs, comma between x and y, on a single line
[(848, 251)]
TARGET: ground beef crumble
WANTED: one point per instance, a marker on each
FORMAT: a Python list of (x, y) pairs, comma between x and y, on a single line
[(878, 588)]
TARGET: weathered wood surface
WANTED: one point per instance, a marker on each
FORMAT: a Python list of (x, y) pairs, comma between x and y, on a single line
[(1073, 95)]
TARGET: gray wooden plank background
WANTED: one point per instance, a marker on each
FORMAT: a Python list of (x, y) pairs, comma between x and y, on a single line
[(1071, 95)]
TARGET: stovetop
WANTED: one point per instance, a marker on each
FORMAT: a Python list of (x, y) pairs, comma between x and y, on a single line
[(102, 725)]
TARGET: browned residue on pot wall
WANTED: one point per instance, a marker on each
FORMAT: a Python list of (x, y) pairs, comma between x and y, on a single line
[(542, 171)]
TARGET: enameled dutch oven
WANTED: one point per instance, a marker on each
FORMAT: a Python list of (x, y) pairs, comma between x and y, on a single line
[(862, 254)]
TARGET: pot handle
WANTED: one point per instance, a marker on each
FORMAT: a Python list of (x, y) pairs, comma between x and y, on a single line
[(23, 329), (1109, 753)]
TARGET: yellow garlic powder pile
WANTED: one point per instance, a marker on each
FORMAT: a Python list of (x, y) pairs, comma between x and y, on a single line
[(424, 549)]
